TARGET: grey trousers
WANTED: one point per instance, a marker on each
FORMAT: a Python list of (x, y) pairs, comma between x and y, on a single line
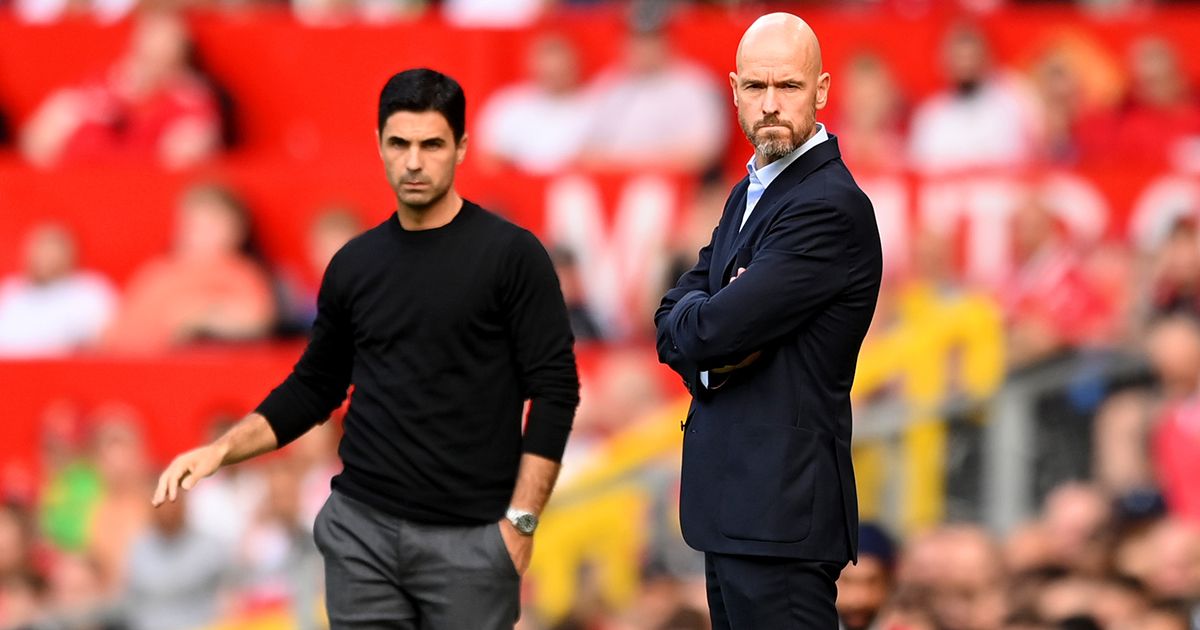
[(386, 572)]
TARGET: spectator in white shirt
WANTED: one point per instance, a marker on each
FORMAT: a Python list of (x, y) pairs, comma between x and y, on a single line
[(658, 111), (52, 308), (985, 119), (540, 124)]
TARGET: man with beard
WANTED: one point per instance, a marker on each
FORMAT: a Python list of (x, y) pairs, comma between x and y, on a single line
[(446, 319), (765, 331)]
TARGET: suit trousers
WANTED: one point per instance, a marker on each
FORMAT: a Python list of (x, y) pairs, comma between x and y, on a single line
[(769, 593), (386, 572)]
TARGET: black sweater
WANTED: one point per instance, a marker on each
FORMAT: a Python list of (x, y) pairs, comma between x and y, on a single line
[(444, 333)]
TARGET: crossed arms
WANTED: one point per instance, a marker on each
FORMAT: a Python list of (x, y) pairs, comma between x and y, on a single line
[(800, 265)]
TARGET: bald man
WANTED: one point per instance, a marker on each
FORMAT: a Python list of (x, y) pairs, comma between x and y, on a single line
[(765, 331)]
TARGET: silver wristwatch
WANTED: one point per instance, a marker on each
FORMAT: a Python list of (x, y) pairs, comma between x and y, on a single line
[(524, 522)]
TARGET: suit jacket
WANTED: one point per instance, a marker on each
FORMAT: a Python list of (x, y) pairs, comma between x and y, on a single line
[(766, 451)]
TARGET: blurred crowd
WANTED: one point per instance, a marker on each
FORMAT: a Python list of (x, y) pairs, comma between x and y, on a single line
[(93, 555), (654, 108), (1086, 562), (212, 286), (476, 13), (1115, 546), (651, 109)]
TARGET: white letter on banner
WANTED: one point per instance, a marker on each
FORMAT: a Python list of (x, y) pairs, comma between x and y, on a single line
[(616, 265)]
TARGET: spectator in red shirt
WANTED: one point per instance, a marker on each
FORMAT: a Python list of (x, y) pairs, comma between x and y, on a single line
[(1159, 124), (1050, 303), (871, 132), (209, 287), (1175, 277), (150, 105)]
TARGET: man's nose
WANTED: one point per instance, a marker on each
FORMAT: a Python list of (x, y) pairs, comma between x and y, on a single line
[(412, 159), (770, 103)]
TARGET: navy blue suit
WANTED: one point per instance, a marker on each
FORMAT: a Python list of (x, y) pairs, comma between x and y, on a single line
[(766, 450)]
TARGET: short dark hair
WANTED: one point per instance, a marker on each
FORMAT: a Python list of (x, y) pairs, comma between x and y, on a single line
[(424, 90)]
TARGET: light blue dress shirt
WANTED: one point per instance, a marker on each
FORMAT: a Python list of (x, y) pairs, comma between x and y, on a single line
[(760, 178)]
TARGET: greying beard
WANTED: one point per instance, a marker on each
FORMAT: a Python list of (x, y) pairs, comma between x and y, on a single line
[(771, 149)]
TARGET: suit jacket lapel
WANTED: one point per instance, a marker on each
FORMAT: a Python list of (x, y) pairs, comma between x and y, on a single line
[(795, 173), (731, 218)]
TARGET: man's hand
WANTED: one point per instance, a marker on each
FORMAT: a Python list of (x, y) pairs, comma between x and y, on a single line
[(520, 547), (186, 470), (754, 356)]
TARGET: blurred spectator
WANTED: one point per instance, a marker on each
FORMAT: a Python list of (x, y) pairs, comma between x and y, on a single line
[(664, 602), (920, 562), (869, 127), (16, 541), (223, 506), (122, 511), (1049, 302), (316, 460), (209, 287), (491, 14), (1164, 617), (540, 124), (71, 486), (655, 110), (151, 105), (968, 586), (176, 574), (1121, 602), (1068, 597), (78, 598), (1027, 550), (583, 322), (985, 119), (1175, 454), (621, 390), (1175, 276), (332, 228), (1126, 422), (1172, 572), (906, 611), (1058, 88), (1076, 81), (1159, 123), (1076, 520), (48, 11), (334, 13), (53, 308), (21, 598), (278, 564), (863, 587)]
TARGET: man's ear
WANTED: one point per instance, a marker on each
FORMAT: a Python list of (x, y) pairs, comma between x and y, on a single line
[(461, 150), (733, 87), (822, 90)]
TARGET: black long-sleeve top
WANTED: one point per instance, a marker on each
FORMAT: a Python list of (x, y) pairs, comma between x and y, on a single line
[(444, 333)]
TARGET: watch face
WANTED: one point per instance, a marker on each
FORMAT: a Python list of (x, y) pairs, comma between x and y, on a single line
[(526, 523)]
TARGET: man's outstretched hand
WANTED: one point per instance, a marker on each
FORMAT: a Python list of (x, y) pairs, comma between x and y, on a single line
[(186, 470)]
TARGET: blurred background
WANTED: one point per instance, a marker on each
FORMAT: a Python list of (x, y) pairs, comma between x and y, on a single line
[(175, 174)]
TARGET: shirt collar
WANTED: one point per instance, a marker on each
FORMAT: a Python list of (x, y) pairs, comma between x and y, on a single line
[(768, 173)]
